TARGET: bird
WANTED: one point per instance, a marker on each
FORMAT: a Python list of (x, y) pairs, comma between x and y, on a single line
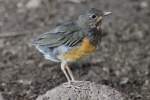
[(73, 40)]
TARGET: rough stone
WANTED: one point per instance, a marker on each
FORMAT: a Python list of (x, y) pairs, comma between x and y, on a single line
[(82, 90)]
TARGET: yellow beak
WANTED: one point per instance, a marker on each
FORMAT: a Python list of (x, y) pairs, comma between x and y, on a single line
[(107, 13)]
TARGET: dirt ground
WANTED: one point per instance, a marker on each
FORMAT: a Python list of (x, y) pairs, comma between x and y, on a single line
[(123, 57)]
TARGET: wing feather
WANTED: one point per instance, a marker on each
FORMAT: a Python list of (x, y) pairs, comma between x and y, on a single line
[(70, 37)]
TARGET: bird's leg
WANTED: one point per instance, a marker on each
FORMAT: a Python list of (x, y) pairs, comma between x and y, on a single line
[(63, 65), (70, 72), (65, 68)]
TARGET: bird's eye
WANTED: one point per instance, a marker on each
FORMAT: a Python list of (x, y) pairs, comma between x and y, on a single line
[(93, 16)]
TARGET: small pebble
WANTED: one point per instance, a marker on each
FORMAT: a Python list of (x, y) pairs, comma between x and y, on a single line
[(124, 80), (144, 4), (32, 4)]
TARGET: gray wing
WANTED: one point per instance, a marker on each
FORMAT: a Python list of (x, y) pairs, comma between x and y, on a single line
[(68, 35)]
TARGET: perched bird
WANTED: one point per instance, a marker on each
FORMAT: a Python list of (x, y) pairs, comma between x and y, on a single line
[(72, 41)]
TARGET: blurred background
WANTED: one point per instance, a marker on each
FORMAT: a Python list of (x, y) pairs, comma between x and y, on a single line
[(123, 57)]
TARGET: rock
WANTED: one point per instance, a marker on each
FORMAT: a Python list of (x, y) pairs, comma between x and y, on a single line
[(124, 80), (144, 4), (33, 4), (82, 90)]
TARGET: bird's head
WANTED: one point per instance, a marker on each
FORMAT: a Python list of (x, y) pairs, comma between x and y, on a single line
[(92, 18)]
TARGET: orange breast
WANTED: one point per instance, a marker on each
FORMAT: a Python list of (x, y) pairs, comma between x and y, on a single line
[(85, 49)]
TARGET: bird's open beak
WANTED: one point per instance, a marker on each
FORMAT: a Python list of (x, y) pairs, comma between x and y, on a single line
[(106, 13)]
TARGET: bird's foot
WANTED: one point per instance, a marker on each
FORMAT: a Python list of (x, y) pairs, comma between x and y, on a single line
[(72, 84)]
